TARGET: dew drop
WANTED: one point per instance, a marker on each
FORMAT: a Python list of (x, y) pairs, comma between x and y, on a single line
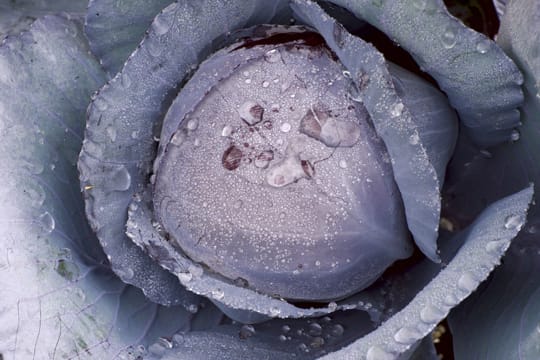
[(467, 282), (226, 131), (263, 159), (337, 330), (285, 329), (265, 84), (125, 80), (119, 180), (420, 4), (451, 299), (496, 247), (185, 276), (315, 329), (347, 74), (431, 314), (376, 353), (332, 306), (285, 127), (303, 348), (100, 104), (407, 336), (449, 38), (161, 25), (317, 342), (47, 222), (514, 222), (515, 135), (125, 274), (179, 138), (192, 124), (272, 56), (192, 308), (246, 331), (483, 46), (274, 311), (282, 338), (343, 164), (397, 109), (111, 133), (218, 294)]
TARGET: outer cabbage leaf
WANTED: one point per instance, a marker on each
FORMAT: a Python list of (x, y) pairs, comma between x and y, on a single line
[(115, 27), (16, 16), (466, 64), (501, 321), (59, 296)]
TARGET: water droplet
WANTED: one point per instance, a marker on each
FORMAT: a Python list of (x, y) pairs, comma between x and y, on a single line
[(161, 24), (315, 329), (185, 276), (135, 134), (347, 74), (251, 112), (420, 4), (282, 338), (178, 339), (179, 138), (125, 274), (483, 46), (272, 56), (265, 84), (397, 109), (431, 314), (414, 139), (467, 282), (274, 311), (153, 45), (285, 127), (100, 104), (246, 331), (407, 335), (285, 329), (332, 306), (343, 164), (449, 38), (218, 294), (496, 247), (36, 194), (119, 179), (192, 124), (451, 300), (317, 263), (337, 330), (47, 222), (126, 80), (303, 348), (376, 353), (515, 135), (192, 308), (317, 342), (514, 222), (263, 159), (226, 131), (111, 133)]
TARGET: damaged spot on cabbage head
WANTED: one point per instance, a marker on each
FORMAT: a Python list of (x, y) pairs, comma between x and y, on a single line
[(264, 195)]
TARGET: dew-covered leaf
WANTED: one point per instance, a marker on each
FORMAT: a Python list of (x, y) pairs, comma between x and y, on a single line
[(503, 315), (398, 126), (59, 297), (126, 115), (115, 28), (276, 339), (466, 64), (16, 16), (486, 241)]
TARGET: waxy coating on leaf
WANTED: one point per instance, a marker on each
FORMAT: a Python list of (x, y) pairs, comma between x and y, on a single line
[(304, 225)]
